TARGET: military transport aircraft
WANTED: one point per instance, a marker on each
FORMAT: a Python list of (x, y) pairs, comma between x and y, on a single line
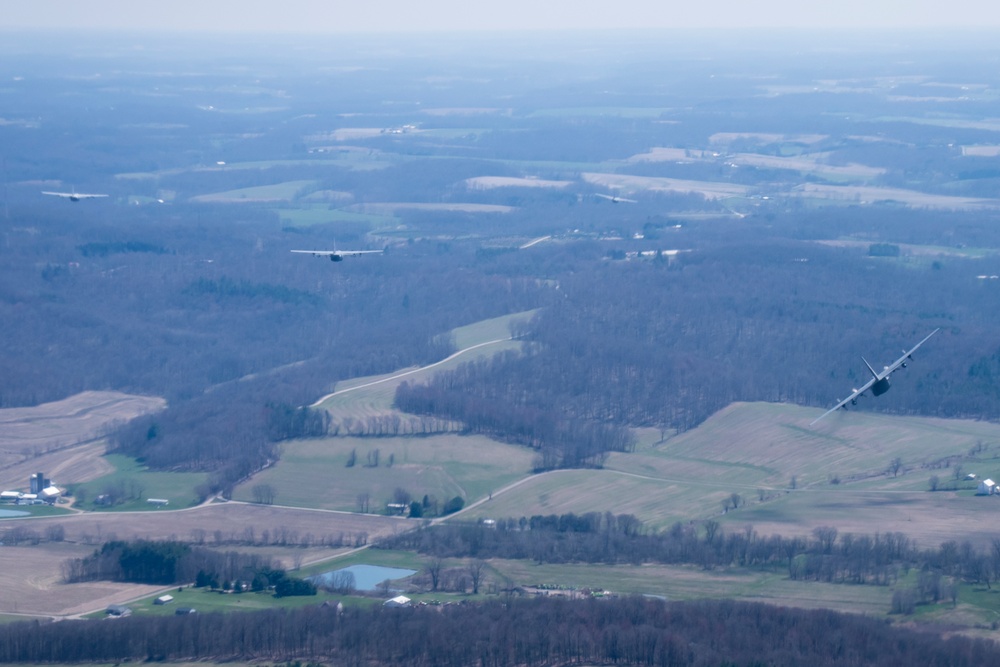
[(72, 196), (339, 255), (615, 199), (879, 384)]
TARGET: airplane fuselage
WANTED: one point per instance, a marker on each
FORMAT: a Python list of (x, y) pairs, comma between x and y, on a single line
[(880, 387)]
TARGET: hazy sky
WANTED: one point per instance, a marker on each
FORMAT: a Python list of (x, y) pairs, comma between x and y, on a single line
[(319, 16)]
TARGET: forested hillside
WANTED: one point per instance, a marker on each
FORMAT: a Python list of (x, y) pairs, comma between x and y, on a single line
[(628, 631), (752, 317)]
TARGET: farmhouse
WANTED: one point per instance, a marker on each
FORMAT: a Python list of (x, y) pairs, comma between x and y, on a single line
[(118, 611), (987, 487), (164, 599), (159, 502)]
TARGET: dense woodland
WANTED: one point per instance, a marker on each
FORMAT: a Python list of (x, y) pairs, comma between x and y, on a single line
[(152, 562), (629, 631)]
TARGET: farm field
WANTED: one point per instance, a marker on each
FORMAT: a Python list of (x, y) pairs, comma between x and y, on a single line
[(313, 473), (261, 193), (689, 583), (216, 522), (760, 451), (32, 431), (32, 575), (179, 488), (31, 578)]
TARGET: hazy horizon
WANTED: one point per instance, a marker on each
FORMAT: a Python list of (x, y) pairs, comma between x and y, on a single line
[(397, 16)]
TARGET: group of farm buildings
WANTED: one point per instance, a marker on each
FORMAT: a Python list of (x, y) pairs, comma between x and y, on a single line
[(40, 492)]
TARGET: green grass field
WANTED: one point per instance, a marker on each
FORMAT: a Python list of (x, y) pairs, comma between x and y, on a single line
[(318, 214), (177, 487), (313, 473)]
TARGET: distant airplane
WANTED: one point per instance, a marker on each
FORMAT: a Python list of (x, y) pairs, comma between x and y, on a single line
[(72, 196), (339, 255), (879, 384), (615, 199)]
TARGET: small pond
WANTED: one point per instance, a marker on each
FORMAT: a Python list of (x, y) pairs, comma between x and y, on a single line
[(366, 577), (10, 514)]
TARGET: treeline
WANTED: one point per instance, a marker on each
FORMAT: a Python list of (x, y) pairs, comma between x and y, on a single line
[(562, 442), (19, 533), (164, 563), (878, 559), (541, 631)]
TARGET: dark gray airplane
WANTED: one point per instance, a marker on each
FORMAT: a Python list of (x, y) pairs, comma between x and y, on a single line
[(72, 196), (879, 384), (339, 255)]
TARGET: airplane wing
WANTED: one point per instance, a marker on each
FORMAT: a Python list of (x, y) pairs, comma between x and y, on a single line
[(72, 195), (906, 355), (337, 255), (355, 253), (853, 397)]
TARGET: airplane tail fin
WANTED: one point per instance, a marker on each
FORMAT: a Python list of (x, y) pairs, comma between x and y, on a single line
[(874, 374)]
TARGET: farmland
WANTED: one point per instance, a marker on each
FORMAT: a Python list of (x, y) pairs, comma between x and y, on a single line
[(313, 473), (789, 478), (63, 438)]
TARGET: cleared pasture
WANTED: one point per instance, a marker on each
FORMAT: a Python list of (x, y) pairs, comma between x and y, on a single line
[(134, 478), (759, 451), (314, 473), (657, 502), (285, 191), (315, 214), (692, 583)]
